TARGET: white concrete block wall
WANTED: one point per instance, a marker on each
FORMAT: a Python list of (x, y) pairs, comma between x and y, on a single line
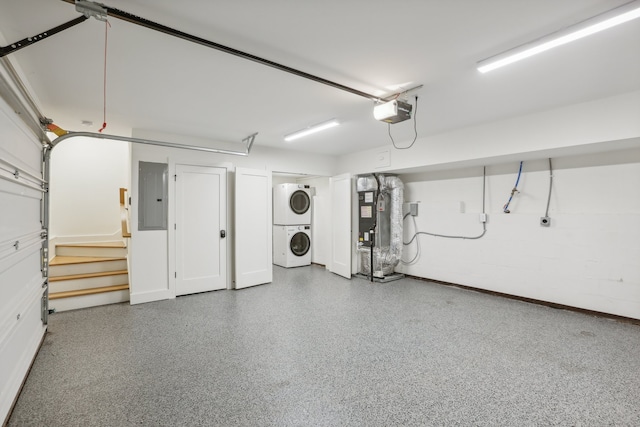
[(588, 257)]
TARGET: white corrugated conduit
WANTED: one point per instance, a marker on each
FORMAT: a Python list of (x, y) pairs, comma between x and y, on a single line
[(417, 233)]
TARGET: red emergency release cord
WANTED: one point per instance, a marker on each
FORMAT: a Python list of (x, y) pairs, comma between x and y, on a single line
[(104, 87)]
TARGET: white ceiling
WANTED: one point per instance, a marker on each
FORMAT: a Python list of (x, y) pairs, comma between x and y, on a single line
[(157, 82)]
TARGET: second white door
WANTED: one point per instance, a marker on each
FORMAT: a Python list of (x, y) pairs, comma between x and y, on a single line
[(254, 261), (341, 256), (200, 229)]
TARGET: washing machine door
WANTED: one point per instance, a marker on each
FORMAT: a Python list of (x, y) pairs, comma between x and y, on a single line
[(300, 244), (300, 202)]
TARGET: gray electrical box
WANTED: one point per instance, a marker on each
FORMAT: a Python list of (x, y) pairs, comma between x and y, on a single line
[(153, 185)]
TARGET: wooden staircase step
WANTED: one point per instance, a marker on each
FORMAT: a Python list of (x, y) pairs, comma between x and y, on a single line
[(91, 291), (65, 260), (87, 280), (92, 245), (92, 250), (71, 266), (87, 275)]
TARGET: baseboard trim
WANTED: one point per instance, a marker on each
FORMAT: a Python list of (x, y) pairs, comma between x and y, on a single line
[(588, 312)]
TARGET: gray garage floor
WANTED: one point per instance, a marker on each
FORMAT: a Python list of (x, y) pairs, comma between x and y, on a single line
[(313, 349)]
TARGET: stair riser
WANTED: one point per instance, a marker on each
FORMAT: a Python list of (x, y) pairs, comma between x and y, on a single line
[(88, 283), (84, 301), (93, 252), (87, 268)]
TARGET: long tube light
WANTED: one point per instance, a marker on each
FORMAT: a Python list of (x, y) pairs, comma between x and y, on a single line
[(598, 23), (311, 129)]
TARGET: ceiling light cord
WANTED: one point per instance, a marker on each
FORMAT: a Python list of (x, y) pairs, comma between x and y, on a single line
[(415, 130)]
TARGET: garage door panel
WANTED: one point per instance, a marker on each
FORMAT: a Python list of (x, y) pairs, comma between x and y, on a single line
[(13, 262), (25, 172), (23, 185), (21, 241), (27, 167), (18, 284), (19, 145), (20, 216), (17, 349), (20, 187)]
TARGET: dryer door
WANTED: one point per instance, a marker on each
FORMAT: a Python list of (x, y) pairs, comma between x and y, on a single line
[(300, 202), (300, 244)]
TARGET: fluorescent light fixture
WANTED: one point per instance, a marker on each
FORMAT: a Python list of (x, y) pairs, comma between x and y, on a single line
[(609, 19), (311, 129)]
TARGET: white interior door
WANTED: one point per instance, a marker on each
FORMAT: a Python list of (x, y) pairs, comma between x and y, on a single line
[(253, 229), (341, 193), (200, 229)]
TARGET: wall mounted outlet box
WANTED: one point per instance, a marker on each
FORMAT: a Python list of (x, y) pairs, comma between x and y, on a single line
[(483, 217), (413, 209), (382, 159), (545, 221)]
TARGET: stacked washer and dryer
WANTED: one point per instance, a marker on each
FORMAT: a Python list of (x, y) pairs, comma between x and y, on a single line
[(291, 225)]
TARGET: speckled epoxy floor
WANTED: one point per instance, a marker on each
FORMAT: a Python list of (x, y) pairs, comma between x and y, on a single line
[(314, 349)]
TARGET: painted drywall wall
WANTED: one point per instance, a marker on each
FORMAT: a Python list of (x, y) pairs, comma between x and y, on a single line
[(321, 221), (278, 179), (86, 175), (152, 253), (587, 258)]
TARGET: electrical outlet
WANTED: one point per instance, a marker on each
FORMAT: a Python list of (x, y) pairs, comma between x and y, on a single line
[(483, 217), (545, 221), (413, 209)]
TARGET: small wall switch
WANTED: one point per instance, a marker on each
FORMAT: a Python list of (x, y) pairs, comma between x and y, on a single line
[(483, 217), (413, 209)]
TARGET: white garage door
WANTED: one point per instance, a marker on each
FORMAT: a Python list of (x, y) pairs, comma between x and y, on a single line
[(22, 282)]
